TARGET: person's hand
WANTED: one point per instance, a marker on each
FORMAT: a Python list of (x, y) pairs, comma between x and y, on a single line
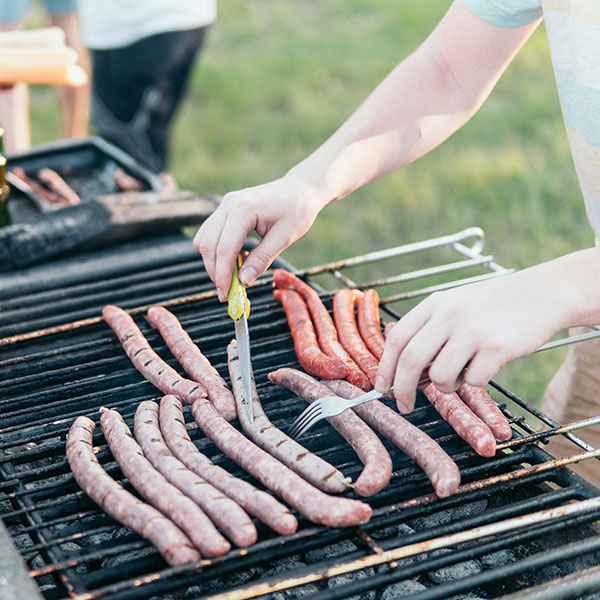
[(280, 212), (469, 333)]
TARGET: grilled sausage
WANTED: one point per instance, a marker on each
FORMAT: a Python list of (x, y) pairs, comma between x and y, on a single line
[(222, 510), (146, 361), (309, 354), (58, 185), (190, 357), (426, 452), (326, 332), (462, 419), (277, 443), (369, 323), (344, 303), (481, 403), (183, 511), (174, 546), (254, 501), (125, 182), (314, 504), (372, 453)]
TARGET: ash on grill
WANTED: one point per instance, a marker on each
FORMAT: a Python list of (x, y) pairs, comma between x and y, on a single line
[(519, 519)]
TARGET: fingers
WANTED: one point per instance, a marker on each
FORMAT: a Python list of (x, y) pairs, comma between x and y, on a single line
[(206, 240), (446, 371)]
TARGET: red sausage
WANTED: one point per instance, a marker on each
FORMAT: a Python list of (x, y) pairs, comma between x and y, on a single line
[(183, 511), (426, 452), (372, 453), (222, 510), (481, 403), (196, 365), (254, 501), (462, 419), (327, 334), (277, 443), (146, 361), (369, 323), (309, 353), (175, 547), (344, 302), (314, 504)]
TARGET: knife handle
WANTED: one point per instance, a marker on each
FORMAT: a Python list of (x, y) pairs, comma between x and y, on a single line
[(238, 303)]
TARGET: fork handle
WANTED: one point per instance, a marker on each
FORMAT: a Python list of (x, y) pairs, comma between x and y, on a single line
[(372, 395)]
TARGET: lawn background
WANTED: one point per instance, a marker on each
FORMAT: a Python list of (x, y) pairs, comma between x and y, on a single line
[(277, 77)]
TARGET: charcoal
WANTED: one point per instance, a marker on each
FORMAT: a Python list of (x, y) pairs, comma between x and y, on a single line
[(97, 538), (285, 564), (119, 559), (350, 578), (429, 521), (455, 572), (339, 549), (193, 592), (401, 589), (497, 559), (227, 582), (469, 510), (392, 531), (305, 591)]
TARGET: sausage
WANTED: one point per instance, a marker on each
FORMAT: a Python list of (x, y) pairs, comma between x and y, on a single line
[(254, 501), (314, 504), (462, 419), (481, 403), (344, 302), (183, 511), (226, 514), (58, 185), (309, 354), (146, 361), (190, 357), (41, 191), (174, 546), (277, 443), (372, 453), (441, 470), (369, 323), (326, 332), (125, 182)]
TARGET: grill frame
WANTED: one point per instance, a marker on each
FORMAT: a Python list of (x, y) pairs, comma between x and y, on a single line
[(187, 303)]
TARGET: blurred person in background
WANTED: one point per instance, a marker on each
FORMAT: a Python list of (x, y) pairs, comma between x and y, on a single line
[(470, 332), (14, 99), (142, 56)]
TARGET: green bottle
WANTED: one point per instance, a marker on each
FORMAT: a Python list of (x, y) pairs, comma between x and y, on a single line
[(4, 189)]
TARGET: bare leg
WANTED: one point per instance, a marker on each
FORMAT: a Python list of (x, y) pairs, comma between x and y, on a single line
[(75, 100), (14, 110)]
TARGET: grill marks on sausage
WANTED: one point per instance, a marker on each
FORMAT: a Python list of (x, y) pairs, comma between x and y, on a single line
[(311, 467), (174, 546), (481, 403), (309, 354), (441, 470), (146, 361), (314, 504), (372, 453), (344, 303), (183, 511), (326, 331), (222, 510), (462, 419), (369, 324), (196, 365), (256, 502)]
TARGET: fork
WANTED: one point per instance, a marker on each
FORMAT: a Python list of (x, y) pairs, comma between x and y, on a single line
[(331, 406)]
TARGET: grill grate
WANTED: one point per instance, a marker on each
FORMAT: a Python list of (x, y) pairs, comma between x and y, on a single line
[(73, 550)]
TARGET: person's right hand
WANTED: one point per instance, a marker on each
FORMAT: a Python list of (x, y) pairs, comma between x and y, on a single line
[(280, 212)]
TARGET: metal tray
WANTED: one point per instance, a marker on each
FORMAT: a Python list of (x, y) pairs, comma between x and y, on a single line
[(86, 164)]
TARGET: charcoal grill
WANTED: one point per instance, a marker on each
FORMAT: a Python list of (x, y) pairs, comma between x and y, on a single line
[(522, 524)]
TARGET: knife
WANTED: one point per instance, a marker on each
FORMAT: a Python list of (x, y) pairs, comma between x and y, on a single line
[(239, 310)]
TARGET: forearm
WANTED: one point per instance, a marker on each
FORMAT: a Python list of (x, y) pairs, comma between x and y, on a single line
[(427, 97)]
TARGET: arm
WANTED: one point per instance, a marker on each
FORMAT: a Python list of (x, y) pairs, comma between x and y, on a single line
[(487, 324), (418, 105)]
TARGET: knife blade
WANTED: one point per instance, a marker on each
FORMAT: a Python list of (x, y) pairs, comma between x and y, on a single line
[(239, 310)]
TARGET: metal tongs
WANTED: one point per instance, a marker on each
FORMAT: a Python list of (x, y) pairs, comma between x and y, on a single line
[(238, 309)]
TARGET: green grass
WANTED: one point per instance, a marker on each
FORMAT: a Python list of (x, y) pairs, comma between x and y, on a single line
[(276, 78)]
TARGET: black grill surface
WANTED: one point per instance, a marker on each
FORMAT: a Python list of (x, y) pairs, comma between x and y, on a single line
[(73, 550)]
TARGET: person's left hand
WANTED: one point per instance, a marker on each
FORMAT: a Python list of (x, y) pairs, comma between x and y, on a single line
[(480, 326)]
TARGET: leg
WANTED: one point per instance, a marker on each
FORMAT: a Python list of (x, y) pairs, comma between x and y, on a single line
[(573, 395)]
